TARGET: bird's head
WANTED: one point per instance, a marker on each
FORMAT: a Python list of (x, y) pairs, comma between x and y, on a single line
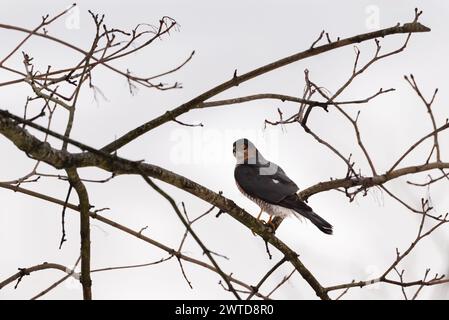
[(246, 152)]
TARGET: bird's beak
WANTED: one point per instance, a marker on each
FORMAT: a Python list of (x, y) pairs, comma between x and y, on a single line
[(245, 155)]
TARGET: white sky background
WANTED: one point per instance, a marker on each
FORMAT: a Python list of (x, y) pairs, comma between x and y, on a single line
[(226, 36)]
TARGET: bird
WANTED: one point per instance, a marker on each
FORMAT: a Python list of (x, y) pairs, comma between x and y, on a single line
[(267, 185)]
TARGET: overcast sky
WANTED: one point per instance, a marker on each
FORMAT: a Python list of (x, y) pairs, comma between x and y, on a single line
[(226, 36)]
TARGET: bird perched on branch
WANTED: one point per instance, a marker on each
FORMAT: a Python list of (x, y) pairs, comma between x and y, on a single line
[(266, 184)]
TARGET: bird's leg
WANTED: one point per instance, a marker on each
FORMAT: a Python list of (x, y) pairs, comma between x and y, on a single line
[(260, 213), (258, 219), (271, 224)]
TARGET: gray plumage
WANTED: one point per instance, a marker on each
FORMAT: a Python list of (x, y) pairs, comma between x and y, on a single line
[(269, 187)]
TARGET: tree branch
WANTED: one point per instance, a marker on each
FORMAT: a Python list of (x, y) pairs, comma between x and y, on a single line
[(84, 206), (407, 28), (27, 271), (34, 147), (136, 234)]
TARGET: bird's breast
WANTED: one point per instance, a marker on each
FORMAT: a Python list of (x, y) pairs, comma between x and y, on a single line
[(271, 209)]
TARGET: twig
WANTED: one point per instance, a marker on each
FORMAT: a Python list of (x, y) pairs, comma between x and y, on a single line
[(194, 103), (280, 284), (63, 234), (27, 271), (129, 231), (57, 283), (428, 105), (399, 257), (343, 293), (265, 277), (188, 227)]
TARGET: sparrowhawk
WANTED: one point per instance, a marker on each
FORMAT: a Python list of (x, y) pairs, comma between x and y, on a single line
[(266, 184)]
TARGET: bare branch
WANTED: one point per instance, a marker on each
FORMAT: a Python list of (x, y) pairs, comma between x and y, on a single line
[(27, 271), (84, 206), (407, 28)]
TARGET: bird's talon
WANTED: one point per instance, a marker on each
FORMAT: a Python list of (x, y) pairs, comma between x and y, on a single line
[(269, 224), (261, 221)]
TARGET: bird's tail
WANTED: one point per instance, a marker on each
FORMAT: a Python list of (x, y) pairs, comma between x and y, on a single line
[(319, 222)]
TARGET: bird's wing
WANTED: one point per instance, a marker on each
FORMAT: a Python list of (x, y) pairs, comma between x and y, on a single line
[(256, 182), (295, 203)]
